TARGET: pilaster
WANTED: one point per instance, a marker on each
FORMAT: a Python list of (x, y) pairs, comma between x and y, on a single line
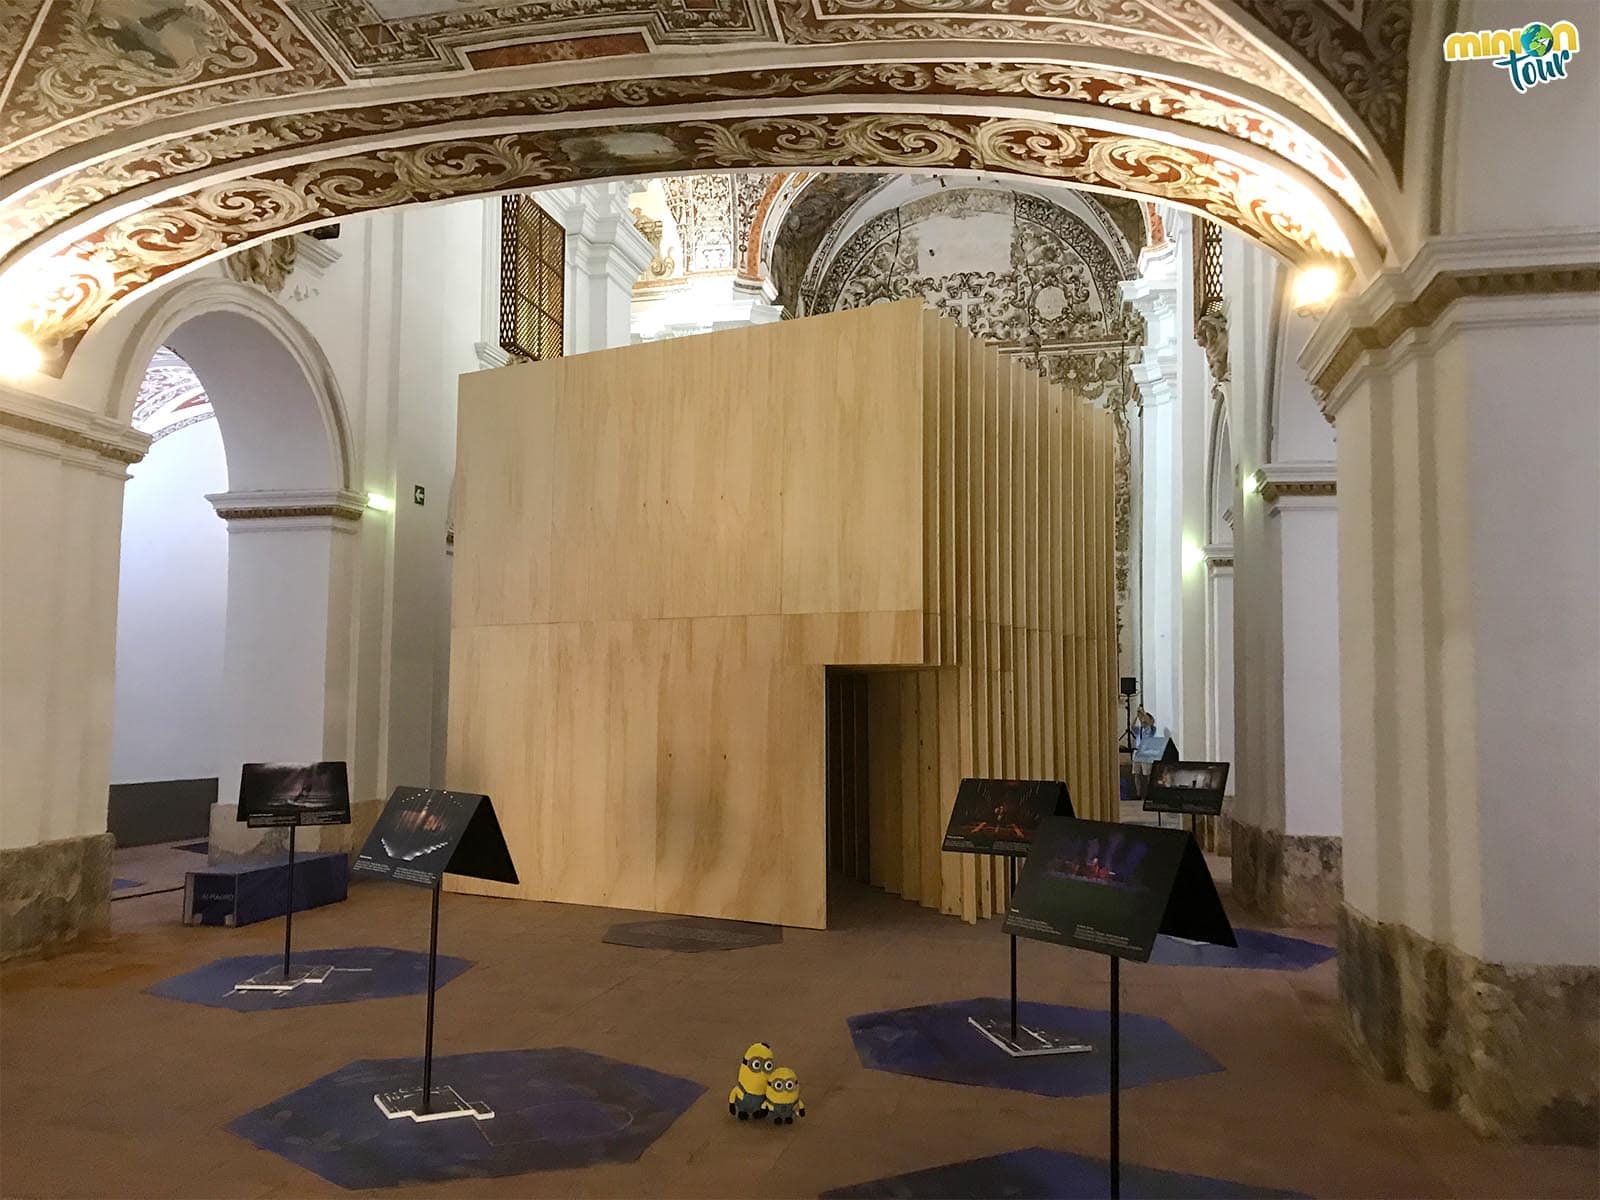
[(1463, 393), (62, 471), (1287, 849), (288, 650)]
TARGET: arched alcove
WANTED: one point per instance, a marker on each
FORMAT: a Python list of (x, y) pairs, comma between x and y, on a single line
[(171, 615), (290, 515), (277, 401)]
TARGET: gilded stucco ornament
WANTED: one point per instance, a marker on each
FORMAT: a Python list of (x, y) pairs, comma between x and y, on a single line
[(266, 264), (229, 146), (183, 231)]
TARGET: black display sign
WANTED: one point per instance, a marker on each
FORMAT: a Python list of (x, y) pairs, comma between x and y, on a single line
[(998, 816), (1111, 888), (423, 833), (1186, 787), (277, 794), (1155, 748)]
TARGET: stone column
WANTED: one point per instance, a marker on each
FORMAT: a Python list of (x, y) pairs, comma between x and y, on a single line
[(288, 652), (1463, 390), (1160, 537), (62, 471), (1174, 403), (1286, 849), (605, 257)]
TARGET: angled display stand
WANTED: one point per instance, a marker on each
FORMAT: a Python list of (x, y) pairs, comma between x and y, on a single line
[(1148, 753), (999, 817), (1195, 788), (421, 835), (275, 795), (1093, 885)]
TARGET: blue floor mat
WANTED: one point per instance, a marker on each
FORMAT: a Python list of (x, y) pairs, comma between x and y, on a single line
[(554, 1109), (361, 973), (936, 1041)]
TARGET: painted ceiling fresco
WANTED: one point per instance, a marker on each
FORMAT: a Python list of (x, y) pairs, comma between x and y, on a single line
[(1039, 279), (138, 138), (171, 397)]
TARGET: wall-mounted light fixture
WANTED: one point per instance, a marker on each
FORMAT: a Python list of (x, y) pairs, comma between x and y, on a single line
[(1315, 287), (1193, 556), (19, 354), (1252, 483), (380, 502)]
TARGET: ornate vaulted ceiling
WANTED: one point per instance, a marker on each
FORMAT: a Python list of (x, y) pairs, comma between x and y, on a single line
[(138, 138)]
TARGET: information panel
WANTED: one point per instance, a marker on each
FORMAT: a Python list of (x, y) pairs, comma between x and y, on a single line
[(278, 794), (1112, 888), (999, 816), (424, 833), (1187, 787)]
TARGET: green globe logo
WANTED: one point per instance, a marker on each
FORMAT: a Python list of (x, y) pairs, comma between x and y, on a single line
[(1537, 39)]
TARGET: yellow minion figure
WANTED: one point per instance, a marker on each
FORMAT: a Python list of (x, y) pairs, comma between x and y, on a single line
[(783, 1097), (749, 1096)]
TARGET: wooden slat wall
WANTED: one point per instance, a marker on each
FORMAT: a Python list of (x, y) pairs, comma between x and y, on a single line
[(1020, 630), (661, 549)]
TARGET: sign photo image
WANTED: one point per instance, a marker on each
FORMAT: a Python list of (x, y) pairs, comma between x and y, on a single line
[(274, 794), (999, 816)]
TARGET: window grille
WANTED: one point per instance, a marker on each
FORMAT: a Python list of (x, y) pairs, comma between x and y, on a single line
[(532, 273), (1207, 272)]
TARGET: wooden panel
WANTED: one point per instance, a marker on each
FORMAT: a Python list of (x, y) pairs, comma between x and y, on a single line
[(504, 482), (851, 461)]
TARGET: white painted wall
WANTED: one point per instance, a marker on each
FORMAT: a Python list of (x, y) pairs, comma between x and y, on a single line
[(171, 609), (435, 328), (1519, 161)]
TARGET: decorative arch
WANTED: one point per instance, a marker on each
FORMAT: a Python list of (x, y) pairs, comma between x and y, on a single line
[(240, 341), (220, 126)]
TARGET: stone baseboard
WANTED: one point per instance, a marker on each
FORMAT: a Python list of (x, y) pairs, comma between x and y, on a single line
[(233, 841), (54, 894), (1289, 879), (1513, 1048)]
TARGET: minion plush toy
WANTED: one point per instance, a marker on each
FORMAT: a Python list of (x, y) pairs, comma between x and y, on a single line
[(749, 1096), (783, 1097)]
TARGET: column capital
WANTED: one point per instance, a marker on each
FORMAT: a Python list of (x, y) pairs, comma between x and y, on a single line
[(610, 245), (298, 509), (73, 435), (1445, 270), (1297, 484)]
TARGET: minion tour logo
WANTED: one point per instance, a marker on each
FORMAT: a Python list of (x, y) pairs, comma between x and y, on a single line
[(1537, 53)]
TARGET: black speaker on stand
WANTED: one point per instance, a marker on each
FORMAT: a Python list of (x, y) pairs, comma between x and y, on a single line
[(1129, 689)]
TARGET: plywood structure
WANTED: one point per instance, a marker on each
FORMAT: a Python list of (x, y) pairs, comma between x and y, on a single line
[(660, 552)]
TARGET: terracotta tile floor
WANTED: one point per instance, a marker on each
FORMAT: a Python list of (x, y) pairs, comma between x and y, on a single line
[(105, 1091)]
